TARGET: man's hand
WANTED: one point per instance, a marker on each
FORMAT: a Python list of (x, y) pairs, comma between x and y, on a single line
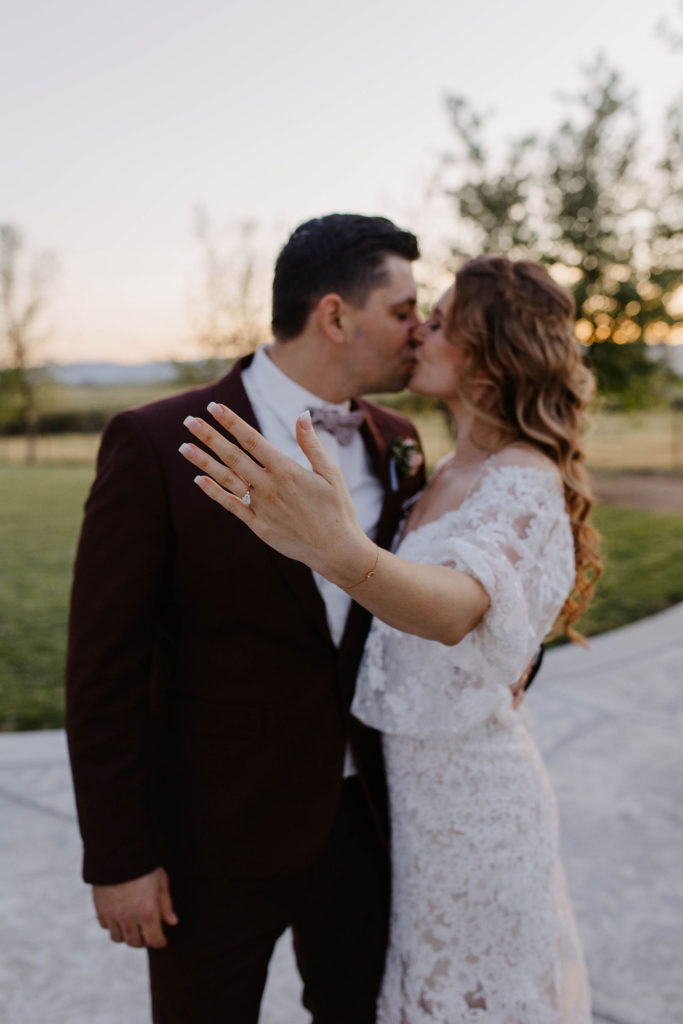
[(135, 912), (517, 689)]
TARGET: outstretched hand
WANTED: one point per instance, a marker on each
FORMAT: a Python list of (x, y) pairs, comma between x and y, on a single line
[(307, 516)]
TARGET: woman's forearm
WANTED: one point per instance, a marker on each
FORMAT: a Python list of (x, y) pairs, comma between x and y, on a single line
[(431, 601)]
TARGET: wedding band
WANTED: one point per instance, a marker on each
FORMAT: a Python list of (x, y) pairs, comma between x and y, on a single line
[(246, 499)]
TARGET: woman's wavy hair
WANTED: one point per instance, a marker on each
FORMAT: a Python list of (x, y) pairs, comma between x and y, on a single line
[(522, 362)]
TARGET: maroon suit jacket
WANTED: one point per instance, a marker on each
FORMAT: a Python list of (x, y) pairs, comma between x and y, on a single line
[(207, 706)]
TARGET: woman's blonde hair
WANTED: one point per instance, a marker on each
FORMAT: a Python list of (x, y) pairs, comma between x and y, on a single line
[(516, 326)]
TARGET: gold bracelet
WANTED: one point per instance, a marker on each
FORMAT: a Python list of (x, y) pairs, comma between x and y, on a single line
[(368, 575)]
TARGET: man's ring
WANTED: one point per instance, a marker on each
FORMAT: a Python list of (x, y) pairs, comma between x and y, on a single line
[(246, 499)]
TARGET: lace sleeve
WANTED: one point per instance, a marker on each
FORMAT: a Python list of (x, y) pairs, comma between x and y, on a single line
[(513, 535)]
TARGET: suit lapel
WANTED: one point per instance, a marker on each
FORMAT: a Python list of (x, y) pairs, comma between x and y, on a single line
[(358, 619), (377, 441), (230, 391), (376, 444)]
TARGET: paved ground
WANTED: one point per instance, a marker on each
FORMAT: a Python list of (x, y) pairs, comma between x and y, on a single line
[(609, 722)]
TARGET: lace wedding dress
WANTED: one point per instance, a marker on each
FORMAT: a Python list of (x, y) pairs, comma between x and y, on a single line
[(481, 927)]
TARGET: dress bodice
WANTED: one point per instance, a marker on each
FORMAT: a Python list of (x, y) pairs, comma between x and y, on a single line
[(513, 534)]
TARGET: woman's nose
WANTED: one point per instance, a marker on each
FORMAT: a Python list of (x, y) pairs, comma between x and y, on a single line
[(417, 335)]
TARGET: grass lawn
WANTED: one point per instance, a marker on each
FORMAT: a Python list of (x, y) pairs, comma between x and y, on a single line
[(651, 440), (40, 513), (643, 556)]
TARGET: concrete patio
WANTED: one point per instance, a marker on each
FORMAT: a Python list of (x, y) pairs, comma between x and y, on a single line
[(610, 724)]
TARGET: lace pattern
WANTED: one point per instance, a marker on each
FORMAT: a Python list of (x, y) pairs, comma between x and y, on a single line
[(481, 927), (513, 535)]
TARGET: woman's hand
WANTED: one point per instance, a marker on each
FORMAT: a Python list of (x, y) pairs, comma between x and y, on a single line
[(308, 516)]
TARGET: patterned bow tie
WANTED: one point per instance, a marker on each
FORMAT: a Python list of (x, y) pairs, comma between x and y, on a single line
[(342, 424)]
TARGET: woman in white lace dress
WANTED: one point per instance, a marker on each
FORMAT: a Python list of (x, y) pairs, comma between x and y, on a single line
[(496, 551)]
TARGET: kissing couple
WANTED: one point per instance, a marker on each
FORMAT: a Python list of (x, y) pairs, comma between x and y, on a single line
[(293, 705)]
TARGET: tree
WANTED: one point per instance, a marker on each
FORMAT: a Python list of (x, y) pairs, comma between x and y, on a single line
[(24, 292), (228, 309), (493, 204), (575, 199)]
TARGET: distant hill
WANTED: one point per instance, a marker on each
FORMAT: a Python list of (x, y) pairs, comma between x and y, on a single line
[(103, 375), (80, 375)]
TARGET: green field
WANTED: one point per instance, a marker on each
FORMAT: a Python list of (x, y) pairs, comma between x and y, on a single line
[(39, 521), (651, 440)]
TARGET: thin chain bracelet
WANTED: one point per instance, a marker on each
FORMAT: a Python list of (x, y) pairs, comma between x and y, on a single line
[(368, 575)]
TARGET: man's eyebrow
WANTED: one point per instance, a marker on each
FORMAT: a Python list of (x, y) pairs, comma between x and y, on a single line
[(410, 301)]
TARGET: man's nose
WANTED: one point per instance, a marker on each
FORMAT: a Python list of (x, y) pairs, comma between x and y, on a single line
[(416, 337)]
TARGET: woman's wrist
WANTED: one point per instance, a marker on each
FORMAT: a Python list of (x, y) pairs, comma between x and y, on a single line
[(357, 564)]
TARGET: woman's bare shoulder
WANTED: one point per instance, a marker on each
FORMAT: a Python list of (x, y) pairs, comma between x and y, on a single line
[(525, 456)]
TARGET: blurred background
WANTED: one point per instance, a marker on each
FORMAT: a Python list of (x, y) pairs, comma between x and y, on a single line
[(156, 156)]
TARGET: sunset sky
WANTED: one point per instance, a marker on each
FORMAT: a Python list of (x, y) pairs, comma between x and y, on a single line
[(118, 119)]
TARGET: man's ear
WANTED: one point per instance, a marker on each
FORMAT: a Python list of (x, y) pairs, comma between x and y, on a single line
[(330, 312)]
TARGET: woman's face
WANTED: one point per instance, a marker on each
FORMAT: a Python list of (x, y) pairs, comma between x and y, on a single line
[(439, 361)]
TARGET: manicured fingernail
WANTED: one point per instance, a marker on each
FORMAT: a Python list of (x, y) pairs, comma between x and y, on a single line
[(215, 409), (305, 420), (187, 449), (200, 481), (189, 421)]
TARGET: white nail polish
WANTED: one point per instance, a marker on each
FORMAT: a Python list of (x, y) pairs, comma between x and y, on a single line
[(186, 449), (189, 421)]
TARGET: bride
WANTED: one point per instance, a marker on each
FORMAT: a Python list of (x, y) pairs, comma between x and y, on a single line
[(496, 553)]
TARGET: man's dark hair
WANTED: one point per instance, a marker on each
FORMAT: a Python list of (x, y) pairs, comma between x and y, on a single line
[(341, 253)]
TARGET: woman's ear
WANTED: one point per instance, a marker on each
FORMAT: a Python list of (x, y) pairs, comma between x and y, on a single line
[(330, 313)]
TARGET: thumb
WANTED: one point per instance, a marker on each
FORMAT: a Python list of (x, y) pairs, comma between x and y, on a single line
[(168, 915), (311, 446)]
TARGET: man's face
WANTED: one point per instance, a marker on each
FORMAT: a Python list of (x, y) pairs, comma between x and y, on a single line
[(440, 360), (381, 345)]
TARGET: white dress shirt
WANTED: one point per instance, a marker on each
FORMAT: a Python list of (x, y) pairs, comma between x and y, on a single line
[(278, 401)]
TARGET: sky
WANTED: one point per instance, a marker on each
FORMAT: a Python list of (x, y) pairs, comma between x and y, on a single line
[(119, 120)]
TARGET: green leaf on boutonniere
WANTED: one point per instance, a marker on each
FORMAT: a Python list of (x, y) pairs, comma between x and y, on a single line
[(405, 459)]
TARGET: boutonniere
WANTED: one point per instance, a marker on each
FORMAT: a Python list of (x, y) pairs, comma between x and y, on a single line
[(405, 459)]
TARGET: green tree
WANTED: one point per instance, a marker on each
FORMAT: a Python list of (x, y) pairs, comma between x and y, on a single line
[(575, 200), (491, 203)]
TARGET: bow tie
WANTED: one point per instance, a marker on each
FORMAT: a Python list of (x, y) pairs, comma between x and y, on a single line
[(342, 424)]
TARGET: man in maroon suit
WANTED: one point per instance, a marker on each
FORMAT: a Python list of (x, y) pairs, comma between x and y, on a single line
[(224, 792)]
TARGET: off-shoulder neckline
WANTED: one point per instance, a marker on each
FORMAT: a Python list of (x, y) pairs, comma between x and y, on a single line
[(487, 469)]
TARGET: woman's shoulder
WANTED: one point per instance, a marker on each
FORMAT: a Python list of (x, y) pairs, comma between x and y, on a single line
[(521, 455), (518, 471)]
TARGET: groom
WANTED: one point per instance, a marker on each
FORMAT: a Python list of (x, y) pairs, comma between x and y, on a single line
[(224, 793)]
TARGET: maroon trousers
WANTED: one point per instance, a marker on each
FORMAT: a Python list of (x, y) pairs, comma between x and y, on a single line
[(213, 970)]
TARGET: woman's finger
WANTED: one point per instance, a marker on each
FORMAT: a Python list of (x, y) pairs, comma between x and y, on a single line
[(228, 501), (229, 454), (250, 439), (222, 474), (311, 446)]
